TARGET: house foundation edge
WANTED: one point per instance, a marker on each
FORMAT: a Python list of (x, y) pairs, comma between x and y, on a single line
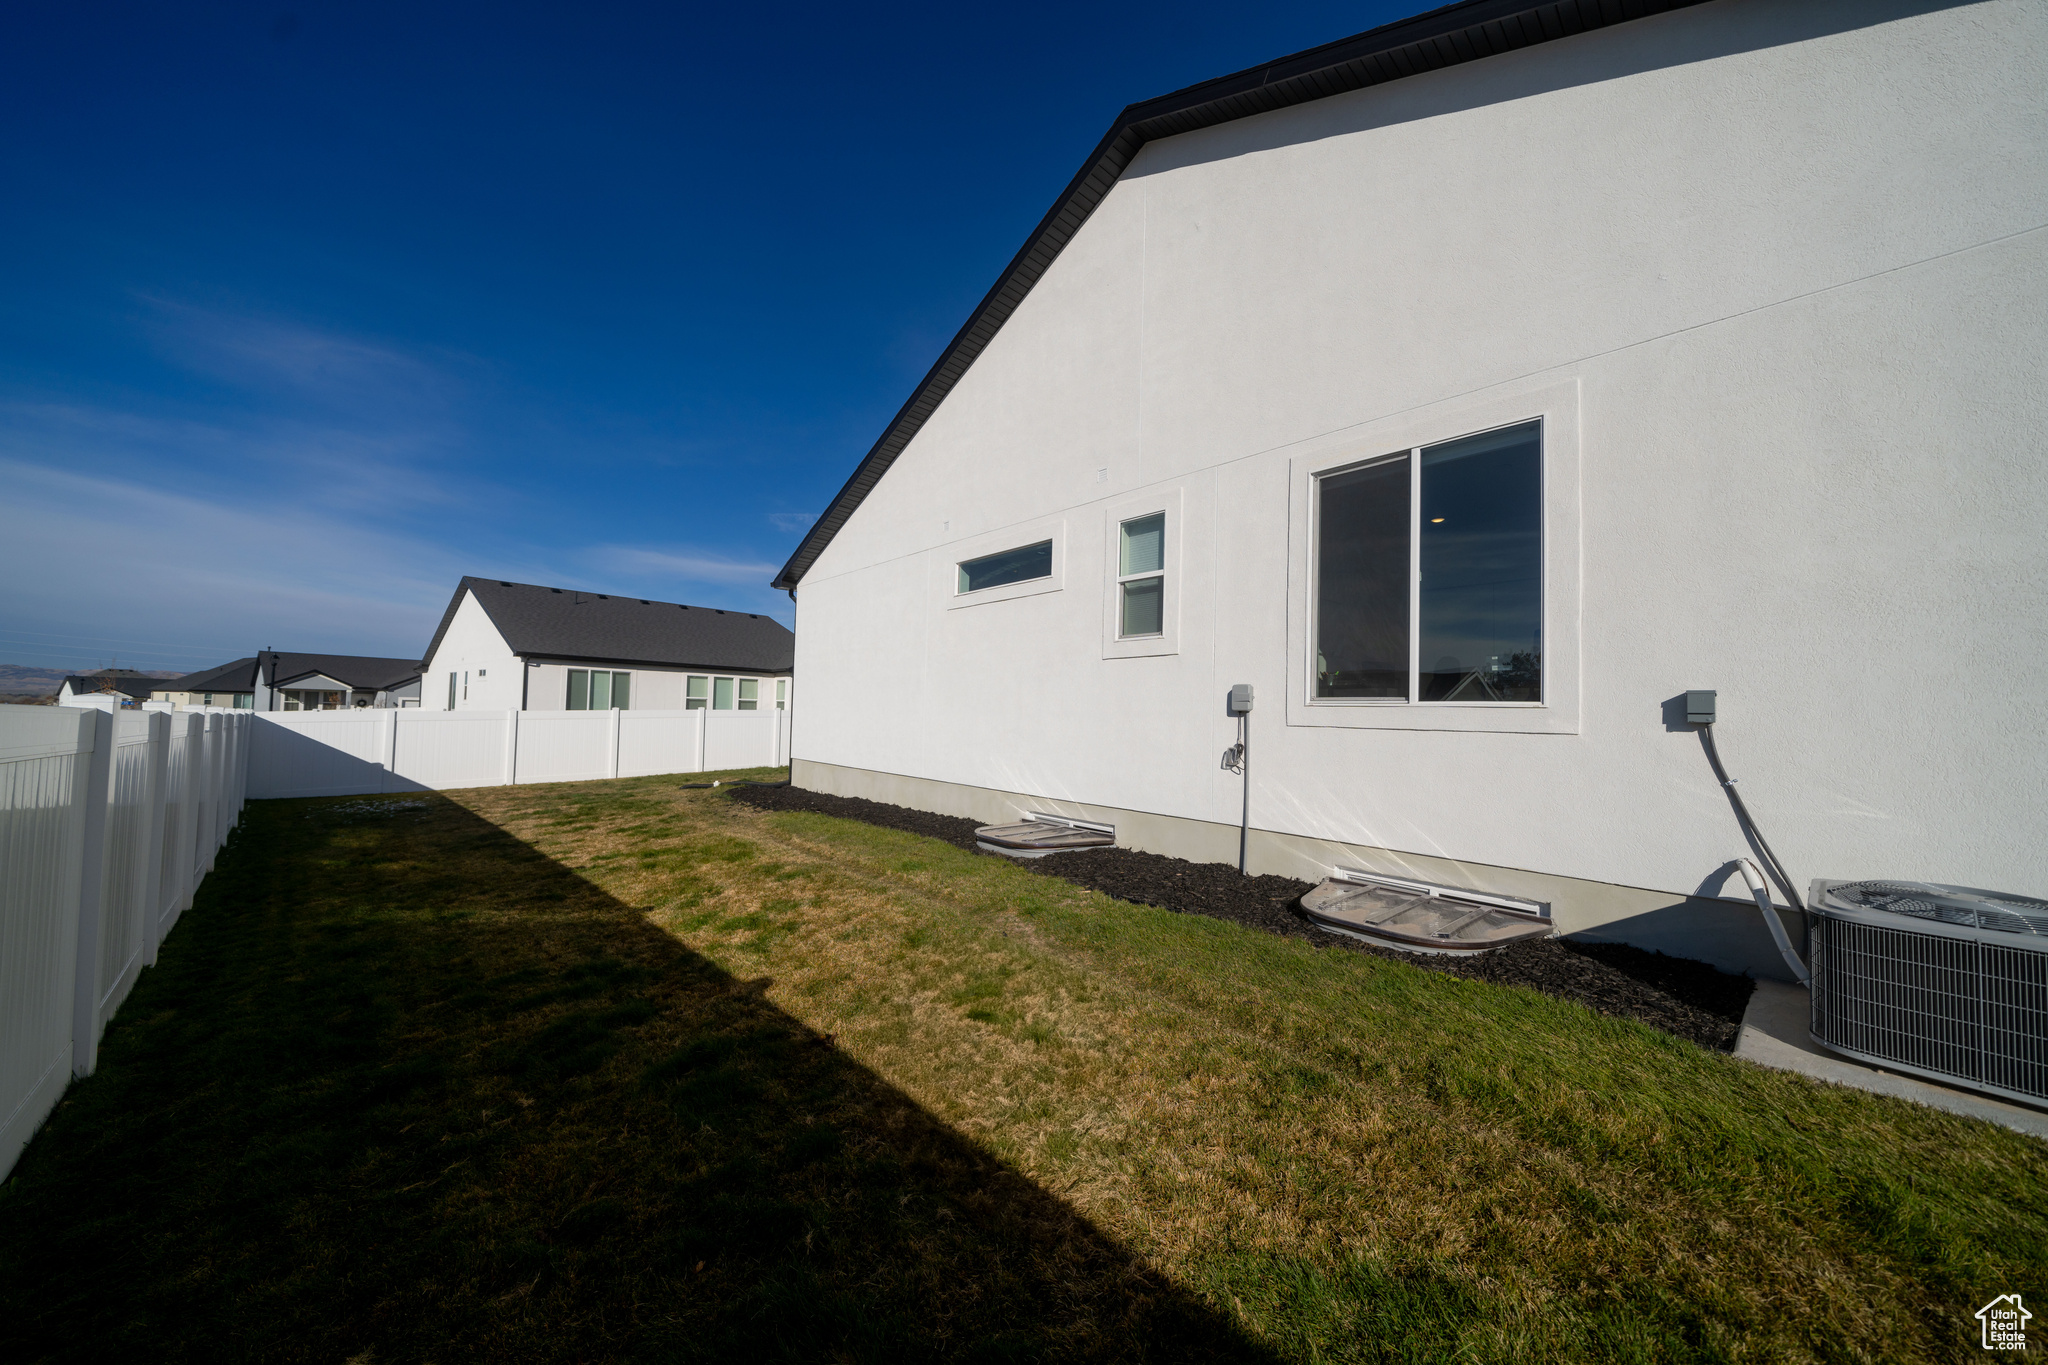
[(1727, 934)]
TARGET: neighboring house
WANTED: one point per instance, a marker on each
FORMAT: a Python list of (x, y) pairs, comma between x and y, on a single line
[(276, 681), (1472, 388), (518, 646), (230, 684), (131, 687)]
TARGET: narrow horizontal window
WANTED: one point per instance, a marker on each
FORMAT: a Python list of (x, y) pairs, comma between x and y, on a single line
[(1011, 566)]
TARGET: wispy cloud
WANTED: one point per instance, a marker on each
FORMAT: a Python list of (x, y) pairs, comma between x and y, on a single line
[(686, 565), (94, 562), (292, 358), (791, 522)]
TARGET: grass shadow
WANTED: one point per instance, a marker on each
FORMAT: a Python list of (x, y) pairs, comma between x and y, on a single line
[(403, 1088)]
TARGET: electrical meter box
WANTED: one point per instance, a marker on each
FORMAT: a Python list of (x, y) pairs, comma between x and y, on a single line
[(1241, 699)]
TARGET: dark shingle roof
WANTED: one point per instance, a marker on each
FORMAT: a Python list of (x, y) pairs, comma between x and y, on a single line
[(357, 670), (1456, 33), (566, 623), (126, 684), (239, 676)]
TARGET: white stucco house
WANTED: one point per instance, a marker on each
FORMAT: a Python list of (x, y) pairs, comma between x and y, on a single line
[(1473, 388), (521, 646)]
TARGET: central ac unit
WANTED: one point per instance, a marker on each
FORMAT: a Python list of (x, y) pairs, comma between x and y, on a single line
[(1946, 982)]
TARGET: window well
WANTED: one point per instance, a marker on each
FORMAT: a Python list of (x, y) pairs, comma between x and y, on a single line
[(1421, 917), (1037, 835)]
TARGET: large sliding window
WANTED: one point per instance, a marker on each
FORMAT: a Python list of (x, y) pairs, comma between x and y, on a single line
[(1429, 573), (596, 689)]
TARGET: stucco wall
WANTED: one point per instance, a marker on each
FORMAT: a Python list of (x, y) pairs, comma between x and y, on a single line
[(473, 647), (1777, 275)]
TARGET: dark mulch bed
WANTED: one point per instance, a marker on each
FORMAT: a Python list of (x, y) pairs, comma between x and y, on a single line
[(1688, 999)]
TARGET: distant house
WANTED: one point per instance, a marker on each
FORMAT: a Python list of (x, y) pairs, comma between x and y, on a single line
[(130, 686), (519, 646), (276, 681)]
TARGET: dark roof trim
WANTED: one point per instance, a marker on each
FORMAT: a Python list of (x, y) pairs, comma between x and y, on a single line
[(1444, 37), (578, 660)]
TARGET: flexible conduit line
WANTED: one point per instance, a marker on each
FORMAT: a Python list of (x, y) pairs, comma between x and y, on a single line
[(1759, 889)]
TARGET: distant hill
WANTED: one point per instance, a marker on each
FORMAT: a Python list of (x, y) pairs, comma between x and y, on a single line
[(25, 682)]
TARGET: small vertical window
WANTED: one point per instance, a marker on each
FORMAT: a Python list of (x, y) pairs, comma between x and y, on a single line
[(600, 690), (451, 691), (696, 693), (622, 691), (1141, 576), (721, 694), (781, 694), (750, 694), (579, 689), (1429, 573)]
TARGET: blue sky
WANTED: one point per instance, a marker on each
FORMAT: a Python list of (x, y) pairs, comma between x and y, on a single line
[(308, 310)]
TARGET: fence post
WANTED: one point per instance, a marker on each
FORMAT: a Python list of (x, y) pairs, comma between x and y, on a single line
[(390, 782), (703, 740), (512, 749), (92, 891), (153, 840), (612, 759)]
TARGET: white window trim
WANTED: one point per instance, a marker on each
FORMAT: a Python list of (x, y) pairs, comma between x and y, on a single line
[(949, 558), (1114, 646), (1557, 404)]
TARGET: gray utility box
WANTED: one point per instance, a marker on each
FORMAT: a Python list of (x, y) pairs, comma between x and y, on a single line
[(1946, 982)]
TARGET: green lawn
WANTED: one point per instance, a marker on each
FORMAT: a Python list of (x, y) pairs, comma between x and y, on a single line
[(616, 1071)]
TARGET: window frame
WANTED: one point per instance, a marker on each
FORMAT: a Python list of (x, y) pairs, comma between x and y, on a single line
[(697, 703), (611, 689), (947, 559), (1557, 406), (1166, 503)]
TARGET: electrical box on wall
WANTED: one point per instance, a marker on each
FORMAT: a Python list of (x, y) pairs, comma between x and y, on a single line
[(1241, 699), (1699, 708)]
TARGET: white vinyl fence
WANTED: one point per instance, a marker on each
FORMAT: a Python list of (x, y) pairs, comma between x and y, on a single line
[(353, 753), (109, 820)]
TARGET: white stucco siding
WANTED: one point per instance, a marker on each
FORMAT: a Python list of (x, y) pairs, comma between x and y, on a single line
[(487, 671), (1788, 260)]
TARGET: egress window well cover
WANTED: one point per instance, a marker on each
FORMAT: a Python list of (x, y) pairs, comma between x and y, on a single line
[(1420, 917)]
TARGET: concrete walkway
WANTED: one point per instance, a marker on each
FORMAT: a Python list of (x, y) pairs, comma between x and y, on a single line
[(1774, 1034)]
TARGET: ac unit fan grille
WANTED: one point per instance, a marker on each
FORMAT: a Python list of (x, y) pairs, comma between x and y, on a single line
[(1944, 1006)]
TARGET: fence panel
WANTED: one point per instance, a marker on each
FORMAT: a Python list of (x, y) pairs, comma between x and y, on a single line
[(181, 791), (125, 939), (440, 750), (653, 742), (564, 746), (320, 753), (742, 739), (45, 754)]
